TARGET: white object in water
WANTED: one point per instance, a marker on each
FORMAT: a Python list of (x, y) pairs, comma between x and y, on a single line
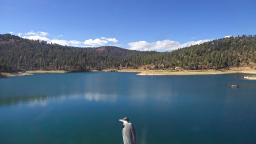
[(234, 86), (128, 131)]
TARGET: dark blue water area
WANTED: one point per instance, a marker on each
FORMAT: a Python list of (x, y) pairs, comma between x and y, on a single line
[(84, 108)]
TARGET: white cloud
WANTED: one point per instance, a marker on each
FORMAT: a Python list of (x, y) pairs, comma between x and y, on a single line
[(44, 36), (163, 45), (100, 41), (190, 43), (227, 36), (74, 43), (139, 45)]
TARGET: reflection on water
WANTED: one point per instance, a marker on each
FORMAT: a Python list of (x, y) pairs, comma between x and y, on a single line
[(12, 100), (84, 108), (39, 89), (97, 97), (43, 100), (94, 97)]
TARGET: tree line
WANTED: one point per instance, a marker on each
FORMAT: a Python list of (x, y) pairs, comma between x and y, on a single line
[(18, 54)]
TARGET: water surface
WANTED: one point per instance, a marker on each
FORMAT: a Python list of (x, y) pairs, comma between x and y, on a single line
[(84, 108)]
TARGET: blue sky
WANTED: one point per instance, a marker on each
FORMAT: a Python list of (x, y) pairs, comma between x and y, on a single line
[(142, 24)]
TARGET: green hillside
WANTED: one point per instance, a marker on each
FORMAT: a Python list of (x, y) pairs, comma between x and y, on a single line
[(18, 54)]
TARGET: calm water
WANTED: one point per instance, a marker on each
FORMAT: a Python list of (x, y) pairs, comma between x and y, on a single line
[(84, 108)]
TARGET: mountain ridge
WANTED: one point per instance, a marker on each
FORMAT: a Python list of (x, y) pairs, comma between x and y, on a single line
[(19, 54)]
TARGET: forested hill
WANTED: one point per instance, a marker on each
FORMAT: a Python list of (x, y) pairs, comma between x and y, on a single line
[(22, 54), (18, 54), (222, 53)]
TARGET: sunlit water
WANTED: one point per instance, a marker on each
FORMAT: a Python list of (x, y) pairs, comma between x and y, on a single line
[(84, 108)]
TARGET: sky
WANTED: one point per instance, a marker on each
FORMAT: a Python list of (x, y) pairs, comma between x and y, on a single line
[(159, 25)]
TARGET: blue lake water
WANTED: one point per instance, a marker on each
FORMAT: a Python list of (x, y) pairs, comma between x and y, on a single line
[(84, 108)]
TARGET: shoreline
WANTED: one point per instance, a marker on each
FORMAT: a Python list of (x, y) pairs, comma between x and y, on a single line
[(45, 71), (250, 77), (143, 72), (29, 73)]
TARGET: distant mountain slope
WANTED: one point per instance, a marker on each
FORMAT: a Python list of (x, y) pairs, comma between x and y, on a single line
[(21, 54), (221, 53)]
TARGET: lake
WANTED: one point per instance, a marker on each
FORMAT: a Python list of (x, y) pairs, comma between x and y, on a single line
[(84, 108)]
